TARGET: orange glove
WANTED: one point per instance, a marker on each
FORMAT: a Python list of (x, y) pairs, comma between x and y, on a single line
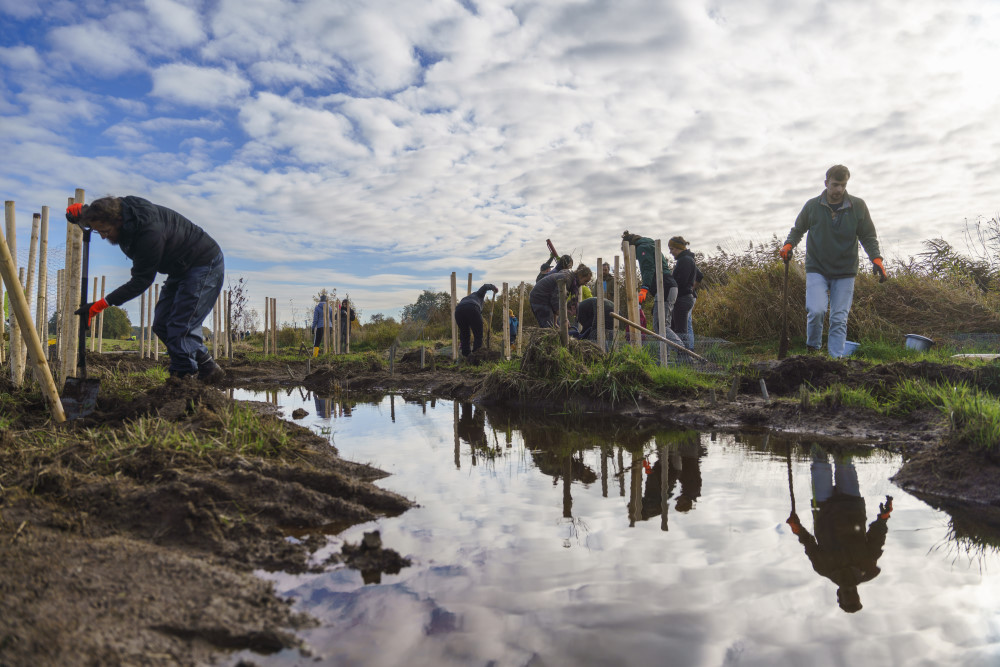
[(91, 309), (793, 521), (643, 293), (885, 509), (645, 466), (73, 212), (879, 270), (786, 252)]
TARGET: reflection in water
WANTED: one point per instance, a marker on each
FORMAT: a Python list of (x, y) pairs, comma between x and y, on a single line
[(841, 550), (522, 557)]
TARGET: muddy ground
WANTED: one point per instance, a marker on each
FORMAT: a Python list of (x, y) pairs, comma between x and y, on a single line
[(148, 558)]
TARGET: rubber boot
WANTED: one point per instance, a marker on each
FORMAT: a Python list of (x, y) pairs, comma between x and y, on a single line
[(315, 351), (209, 372)]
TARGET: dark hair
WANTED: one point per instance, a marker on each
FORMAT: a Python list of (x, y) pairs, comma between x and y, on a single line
[(106, 209), (677, 242), (838, 172)]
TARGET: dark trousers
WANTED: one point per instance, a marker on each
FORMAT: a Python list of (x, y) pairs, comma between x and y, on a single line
[(679, 317), (470, 321), (319, 336), (185, 301), (543, 313)]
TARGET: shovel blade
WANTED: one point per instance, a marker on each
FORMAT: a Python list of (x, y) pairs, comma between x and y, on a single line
[(79, 397)]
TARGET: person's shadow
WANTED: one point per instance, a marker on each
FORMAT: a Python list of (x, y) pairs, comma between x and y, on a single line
[(841, 550)]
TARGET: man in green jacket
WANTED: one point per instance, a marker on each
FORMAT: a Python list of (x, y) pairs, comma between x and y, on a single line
[(835, 221)]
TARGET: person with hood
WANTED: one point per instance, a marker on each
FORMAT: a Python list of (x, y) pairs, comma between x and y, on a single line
[(645, 254), (319, 326), (833, 223), (160, 240), (544, 296), (469, 318), (685, 274)]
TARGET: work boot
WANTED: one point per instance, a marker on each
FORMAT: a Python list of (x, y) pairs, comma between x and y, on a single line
[(181, 374), (812, 350), (210, 372), (315, 351)]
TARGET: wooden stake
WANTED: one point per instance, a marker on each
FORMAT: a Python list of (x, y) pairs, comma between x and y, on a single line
[(563, 314), (601, 333), (29, 284), (520, 319), (156, 299), (661, 315), (470, 286), (13, 285), (506, 323), (229, 324), (649, 332), (614, 299), (267, 323), (22, 313), (149, 323), (93, 329), (74, 288), (274, 322), (42, 309), (142, 325), (454, 324), (100, 317)]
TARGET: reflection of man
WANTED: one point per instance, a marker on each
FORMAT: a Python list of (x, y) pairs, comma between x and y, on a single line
[(472, 426), (323, 406), (683, 465), (841, 550)]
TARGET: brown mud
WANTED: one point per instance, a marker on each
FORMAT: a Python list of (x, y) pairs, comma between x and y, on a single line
[(148, 557)]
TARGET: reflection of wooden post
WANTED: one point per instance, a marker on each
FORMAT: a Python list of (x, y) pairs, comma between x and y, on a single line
[(267, 323), (100, 317), (458, 447), (156, 299), (520, 319), (21, 312), (42, 310), (506, 323), (563, 314), (661, 315), (601, 335), (454, 324)]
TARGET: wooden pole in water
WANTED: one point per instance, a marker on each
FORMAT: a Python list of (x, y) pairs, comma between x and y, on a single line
[(454, 324), (563, 314), (506, 323), (601, 333), (661, 315), (520, 318), (22, 313), (41, 310)]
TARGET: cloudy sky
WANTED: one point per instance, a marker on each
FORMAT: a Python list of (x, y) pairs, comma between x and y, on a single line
[(377, 146)]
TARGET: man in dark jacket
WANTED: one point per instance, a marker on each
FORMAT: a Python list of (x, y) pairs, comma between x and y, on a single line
[(586, 317), (469, 318), (319, 325), (685, 275), (544, 296), (159, 240), (346, 317)]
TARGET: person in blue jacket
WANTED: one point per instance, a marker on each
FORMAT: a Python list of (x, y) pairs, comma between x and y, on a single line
[(319, 326)]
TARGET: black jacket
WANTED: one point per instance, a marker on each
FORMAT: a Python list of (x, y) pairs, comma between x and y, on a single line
[(476, 298), (158, 240), (685, 273)]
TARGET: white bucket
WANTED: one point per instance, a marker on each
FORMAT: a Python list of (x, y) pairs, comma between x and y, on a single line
[(850, 347), (919, 343)]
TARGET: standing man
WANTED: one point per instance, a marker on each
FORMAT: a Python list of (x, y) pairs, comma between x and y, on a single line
[(835, 222), (320, 326), (469, 318), (685, 275), (159, 240), (347, 316), (645, 254)]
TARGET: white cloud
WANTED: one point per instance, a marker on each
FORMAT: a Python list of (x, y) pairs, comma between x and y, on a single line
[(20, 58), (311, 135), (179, 23), (92, 48), (204, 87)]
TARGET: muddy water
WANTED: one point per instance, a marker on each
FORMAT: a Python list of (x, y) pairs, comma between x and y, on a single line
[(559, 540)]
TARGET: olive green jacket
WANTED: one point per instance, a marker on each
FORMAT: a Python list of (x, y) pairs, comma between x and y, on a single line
[(832, 243)]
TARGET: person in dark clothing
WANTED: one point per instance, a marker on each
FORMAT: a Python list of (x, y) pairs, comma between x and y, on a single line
[(319, 326), (685, 275), (544, 296), (346, 317), (645, 254), (469, 318), (513, 324), (690, 328), (586, 317), (565, 262), (159, 240), (842, 551)]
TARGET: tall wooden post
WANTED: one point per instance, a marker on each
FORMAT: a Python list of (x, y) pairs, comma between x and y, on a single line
[(29, 283), (328, 330), (563, 314), (93, 329), (267, 324), (156, 300), (229, 324), (149, 323), (274, 324), (661, 315), (42, 307), (506, 323), (454, 324), (74, 288), (142, 325), (601, 334), (470, 286), (336, 326), (520, 319), (13, 283), (100, 317), (618, 308), (60, 298), (347, 315)]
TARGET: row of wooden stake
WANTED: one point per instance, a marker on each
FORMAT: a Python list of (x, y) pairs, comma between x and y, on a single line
[(631, 304)]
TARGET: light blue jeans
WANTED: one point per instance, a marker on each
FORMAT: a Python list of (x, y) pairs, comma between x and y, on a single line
[(690, 334), (841, 478), (837, 294)]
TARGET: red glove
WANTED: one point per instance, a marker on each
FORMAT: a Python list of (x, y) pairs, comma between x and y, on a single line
[(786, 252), (885, 509), (793, 521), (879, 270), (642, 294), (645, 466), (91, 309), (73, 212)]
